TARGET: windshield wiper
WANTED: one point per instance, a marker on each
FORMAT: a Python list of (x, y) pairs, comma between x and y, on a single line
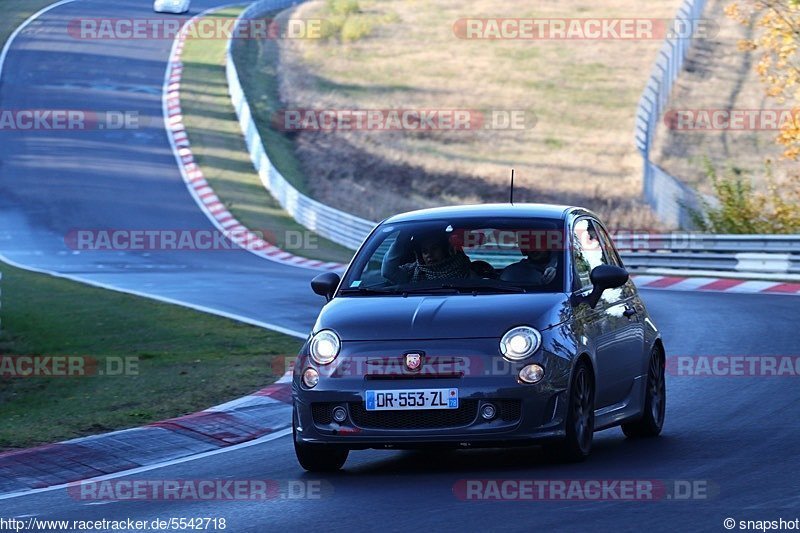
[(448, 288), (487, 287), (415, 290), (405, 291), (367, 290)]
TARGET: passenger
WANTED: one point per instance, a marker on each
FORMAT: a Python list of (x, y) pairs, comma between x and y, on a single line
[(435, 259)]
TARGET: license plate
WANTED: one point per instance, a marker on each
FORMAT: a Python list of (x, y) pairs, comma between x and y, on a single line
[(393, 400)]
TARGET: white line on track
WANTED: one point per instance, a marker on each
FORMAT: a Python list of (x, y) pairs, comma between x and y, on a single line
[(164, 299), (274, 327), (24, 25), (147, 468), (233, 316)]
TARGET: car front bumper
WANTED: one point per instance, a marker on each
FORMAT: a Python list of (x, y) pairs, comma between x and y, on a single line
[(525, 413)]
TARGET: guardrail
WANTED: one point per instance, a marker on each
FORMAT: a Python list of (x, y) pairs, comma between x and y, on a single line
[(706, 242), (754, 254), (668, 196), (340, 227), (699, 252)]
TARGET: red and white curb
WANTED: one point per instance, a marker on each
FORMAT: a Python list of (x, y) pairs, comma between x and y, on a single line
[(193, 176), (263, 413), (705, 284)]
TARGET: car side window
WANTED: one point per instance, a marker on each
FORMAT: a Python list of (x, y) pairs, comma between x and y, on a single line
[(587, 251), (608, 246)]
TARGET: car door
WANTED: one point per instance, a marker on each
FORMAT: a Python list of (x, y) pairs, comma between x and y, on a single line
[(632, 361), (611, 328)]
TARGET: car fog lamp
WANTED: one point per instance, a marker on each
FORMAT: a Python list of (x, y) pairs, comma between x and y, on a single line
[(531, 373), (310, 378), (339, 414)]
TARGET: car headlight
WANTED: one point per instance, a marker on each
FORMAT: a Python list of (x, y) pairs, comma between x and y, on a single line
[(325, 347), (520, 342)]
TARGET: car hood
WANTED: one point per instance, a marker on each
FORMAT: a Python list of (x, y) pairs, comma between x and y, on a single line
[(417, 317)]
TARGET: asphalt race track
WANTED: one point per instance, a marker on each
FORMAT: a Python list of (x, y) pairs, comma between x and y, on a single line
[(736, 436), (57, 181)]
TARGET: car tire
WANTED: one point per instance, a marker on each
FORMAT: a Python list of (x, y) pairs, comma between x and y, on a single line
[(579, 424), (318, 457), (655, 403)]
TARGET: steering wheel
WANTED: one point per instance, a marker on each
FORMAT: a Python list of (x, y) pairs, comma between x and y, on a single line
[(484, 270)]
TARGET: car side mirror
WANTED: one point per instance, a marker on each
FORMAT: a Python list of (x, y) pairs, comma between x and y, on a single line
[(325, 284), (605, 277)]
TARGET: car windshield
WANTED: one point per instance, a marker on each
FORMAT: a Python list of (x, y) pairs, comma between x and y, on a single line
[(475, 256)]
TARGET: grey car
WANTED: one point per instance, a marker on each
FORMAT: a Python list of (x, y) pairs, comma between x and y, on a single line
[(478, 326)]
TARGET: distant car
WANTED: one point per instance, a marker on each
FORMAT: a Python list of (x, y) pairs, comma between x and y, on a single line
[(478, 326), (171, 6)]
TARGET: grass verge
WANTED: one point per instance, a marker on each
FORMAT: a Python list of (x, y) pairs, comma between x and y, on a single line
[(220, 150), (577, 97), (187, 360), (15, 12)]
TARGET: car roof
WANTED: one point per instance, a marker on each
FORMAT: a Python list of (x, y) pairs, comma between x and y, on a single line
[(557, 212)]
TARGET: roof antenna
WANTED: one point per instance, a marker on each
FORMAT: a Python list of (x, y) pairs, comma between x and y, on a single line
[(511, 198)]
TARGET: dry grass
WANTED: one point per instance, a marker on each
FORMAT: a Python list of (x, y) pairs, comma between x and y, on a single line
[(221, 153), (583, 94), (720, 76)]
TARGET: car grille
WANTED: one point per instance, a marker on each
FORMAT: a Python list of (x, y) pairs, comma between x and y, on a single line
[(322, 413), (417, 419), (507, 411)]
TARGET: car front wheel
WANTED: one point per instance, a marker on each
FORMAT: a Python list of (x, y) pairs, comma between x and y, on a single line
[(318, 457), (655, 401), (580, 418)]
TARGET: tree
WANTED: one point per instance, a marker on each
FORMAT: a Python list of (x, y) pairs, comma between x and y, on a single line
[(778, 40), (740, 208)]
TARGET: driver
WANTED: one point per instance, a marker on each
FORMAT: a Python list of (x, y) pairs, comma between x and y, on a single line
[(435, 259), (538, 268)]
